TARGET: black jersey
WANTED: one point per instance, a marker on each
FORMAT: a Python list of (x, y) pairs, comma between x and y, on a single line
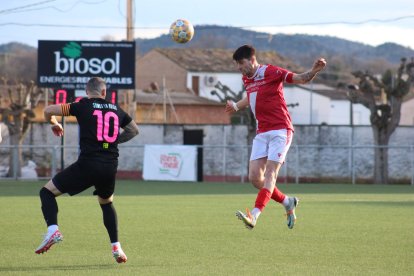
[(99, 127)]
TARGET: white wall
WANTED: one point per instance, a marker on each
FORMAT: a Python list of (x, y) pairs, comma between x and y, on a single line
[(232, 80), (407, 113), (361, 115), (320, 106), (324, 109), (340, 113)]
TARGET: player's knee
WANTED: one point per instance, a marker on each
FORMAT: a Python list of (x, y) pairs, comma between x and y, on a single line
[(271, 175), (50, 186), (44, 192), (256, 181), (105, 199)]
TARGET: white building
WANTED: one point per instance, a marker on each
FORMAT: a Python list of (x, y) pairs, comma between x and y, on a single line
[(321, 104), (196, 71), (208, 80), (407, 111)]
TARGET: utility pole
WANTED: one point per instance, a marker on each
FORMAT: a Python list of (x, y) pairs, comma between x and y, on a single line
[(130, 21), (131, 100)]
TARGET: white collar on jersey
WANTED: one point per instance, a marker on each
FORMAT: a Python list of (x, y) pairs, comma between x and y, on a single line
[(259, 74)]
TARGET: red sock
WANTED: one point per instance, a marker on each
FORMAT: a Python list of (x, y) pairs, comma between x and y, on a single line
[(277, 195), (262, 198)]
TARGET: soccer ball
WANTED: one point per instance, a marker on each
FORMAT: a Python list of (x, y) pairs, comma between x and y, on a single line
[(181, 31)]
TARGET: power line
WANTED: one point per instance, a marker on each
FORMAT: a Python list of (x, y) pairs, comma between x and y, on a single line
[(19, 10), (25, 6), (161, 28), (75, 4), (62, 26), (372, 20)]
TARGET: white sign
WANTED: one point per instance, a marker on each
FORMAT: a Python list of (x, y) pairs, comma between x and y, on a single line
[(170, 162)]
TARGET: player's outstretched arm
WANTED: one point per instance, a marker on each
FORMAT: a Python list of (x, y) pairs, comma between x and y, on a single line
[(50, 112), (130, 131), (233, 107), (318, 65)]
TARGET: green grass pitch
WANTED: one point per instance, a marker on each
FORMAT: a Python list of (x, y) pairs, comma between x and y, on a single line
[(190, 229)]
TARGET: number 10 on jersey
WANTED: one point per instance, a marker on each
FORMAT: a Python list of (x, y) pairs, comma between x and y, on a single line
[(106, 124)]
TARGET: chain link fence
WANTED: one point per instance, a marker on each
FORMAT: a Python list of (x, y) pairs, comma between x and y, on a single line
[(225, 163)]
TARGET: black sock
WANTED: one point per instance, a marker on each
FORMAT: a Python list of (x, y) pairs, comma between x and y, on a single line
[(49, 206), (110, 221)]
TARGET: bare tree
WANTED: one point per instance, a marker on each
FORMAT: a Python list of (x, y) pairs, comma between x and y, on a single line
[(23, 98), (19, 64), (383, 97)]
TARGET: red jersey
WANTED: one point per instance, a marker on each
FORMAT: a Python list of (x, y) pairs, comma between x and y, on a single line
[(265, 95)]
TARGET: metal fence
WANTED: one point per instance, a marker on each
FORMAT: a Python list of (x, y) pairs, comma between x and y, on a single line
[(304, 163)]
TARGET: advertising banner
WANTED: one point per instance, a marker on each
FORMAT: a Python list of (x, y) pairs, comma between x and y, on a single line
[(170, 162), (70, 64)]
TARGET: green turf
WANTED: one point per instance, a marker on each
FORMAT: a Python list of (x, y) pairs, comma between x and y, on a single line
[(191, 229)]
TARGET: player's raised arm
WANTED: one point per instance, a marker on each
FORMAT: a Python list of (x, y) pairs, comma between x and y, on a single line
[(318, 65), (50, 112)]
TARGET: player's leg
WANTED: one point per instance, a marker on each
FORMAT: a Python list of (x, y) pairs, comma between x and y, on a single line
[(110, 218), (258, 160), (49, 208), (268, 170), (256, 177), (70, 181), (105, 174), (111, 224), (278, 147), (257, 170), (265, 193)]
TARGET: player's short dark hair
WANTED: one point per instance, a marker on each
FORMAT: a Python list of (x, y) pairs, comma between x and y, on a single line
[(95, 85), (245, 51)]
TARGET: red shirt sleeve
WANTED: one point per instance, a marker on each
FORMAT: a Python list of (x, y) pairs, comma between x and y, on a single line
[(289, 77)]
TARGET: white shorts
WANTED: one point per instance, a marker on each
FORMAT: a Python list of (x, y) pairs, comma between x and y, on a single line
[(273, 144)]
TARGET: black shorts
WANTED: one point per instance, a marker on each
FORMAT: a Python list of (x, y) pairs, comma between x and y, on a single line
[(87, 173)]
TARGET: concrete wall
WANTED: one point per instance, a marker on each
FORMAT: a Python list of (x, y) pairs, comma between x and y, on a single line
[(329, 160), (317, 152)]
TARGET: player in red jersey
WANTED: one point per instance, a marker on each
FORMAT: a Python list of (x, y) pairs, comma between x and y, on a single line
[(264, 87)]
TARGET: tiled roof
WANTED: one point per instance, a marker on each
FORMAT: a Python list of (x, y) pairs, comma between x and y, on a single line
[(218, 60)]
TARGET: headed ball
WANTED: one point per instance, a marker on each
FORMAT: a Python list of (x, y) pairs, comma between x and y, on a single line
[(181, 31)]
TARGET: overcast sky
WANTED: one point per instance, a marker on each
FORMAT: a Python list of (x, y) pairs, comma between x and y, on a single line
[(371, 22)]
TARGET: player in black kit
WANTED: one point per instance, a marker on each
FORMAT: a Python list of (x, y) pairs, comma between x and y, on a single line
[(99, 125)]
